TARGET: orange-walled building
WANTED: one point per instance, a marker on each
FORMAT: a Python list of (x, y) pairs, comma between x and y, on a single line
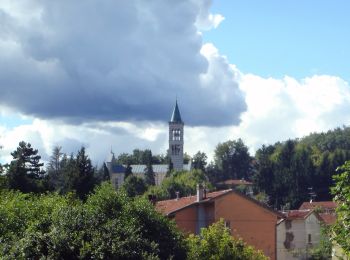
[(246, 217)]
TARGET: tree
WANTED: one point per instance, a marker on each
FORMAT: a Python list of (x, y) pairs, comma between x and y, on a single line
[(1, 167), (233, 160), (149, 175), (134, 186), (54, 169), (341, 193), (264, 175), (215, 242), (124, 158), (184, 182), (199, 161), (25, 173), (78, 174), (85, 181), (128, 171), (108, 225), (187, 158), (102, 174)]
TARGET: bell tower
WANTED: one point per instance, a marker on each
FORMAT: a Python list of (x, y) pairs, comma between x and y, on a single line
[(176, 139)]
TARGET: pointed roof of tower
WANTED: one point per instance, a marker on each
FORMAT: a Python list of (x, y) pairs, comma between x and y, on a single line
[(176, 117)]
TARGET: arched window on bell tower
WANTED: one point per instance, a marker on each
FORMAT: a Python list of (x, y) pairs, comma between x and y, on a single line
[(176, 134)]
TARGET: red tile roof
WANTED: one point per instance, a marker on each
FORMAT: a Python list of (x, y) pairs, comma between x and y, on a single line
[(169, 206), (328, 218), (236, 182), (319, 204), (297, 214)]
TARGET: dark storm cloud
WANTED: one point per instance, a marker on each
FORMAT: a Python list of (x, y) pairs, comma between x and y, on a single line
[(113, 60)]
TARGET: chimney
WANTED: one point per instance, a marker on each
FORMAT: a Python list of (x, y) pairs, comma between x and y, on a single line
[(200, 192), (177, 195)]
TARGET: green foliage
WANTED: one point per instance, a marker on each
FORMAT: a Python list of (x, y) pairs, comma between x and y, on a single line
[(324, 249), (199, 161), (187, 158), (216, 243), (232, 160), (149, 174), (128, 171), (24, 172), (285, 171), (134, 186), (109, 225), (102, 174), (341, 192), (141, 157), (73, 174), (183, 182)]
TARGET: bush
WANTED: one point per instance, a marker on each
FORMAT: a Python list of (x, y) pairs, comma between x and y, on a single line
[(109, 225), (215, 242)]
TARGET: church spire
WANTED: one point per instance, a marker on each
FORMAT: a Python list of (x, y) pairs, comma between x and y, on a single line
[(176, 117), (176, 139)]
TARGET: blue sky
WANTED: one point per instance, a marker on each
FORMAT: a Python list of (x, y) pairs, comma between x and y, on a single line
[(298, 38), (79, 73)]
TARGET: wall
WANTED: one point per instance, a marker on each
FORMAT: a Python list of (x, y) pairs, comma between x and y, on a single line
[(186, 220), (192, 219), (117, 179), (292, 237), (253, 223)]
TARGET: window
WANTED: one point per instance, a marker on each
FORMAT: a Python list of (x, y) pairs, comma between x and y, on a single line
[(175, 149), (176, 133), (309, 239), (116, 183)]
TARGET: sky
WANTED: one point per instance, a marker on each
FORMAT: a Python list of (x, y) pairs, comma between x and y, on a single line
[(106, 74)]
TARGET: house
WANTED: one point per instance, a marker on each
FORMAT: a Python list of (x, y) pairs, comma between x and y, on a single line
[(297, 233), (325, 210), (247, 218), (175, 151)]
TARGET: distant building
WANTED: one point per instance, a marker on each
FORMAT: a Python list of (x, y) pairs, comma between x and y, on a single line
[(175, 152), (297, 234)]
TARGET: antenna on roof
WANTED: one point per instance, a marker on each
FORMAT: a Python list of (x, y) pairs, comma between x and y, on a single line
[(312, 194)]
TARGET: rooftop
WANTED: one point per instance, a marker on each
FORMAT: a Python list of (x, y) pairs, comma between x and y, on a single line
[(328, 218), (319, 204), (169, 206), (297, 214)]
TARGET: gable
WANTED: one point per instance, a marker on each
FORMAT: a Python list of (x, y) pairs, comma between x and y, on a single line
[(243, 207)]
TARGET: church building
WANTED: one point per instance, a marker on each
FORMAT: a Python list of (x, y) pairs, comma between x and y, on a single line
[(175, 152)]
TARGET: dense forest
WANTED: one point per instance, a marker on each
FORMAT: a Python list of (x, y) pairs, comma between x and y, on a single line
[(68, 210), (294, 171), (284, 174)]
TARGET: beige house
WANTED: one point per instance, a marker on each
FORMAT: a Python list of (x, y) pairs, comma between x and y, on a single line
[(297, 233)]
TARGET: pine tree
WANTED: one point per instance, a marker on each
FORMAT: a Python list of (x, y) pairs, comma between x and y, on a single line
[(128, 171), (54, 169), (149, 175), (25, 171)]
